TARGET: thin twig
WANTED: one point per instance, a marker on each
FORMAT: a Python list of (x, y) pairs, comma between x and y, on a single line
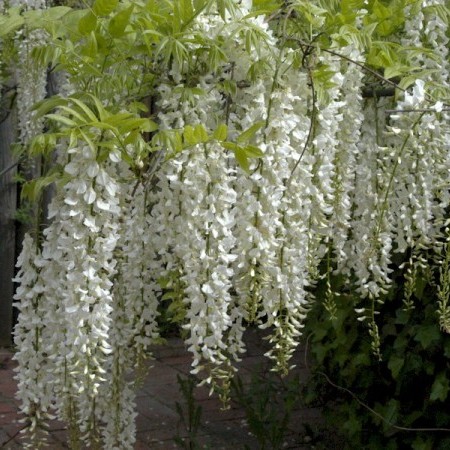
[(5, 171), (350, 60), (310, 131), (4, 444), (423, 110), (364, 405)]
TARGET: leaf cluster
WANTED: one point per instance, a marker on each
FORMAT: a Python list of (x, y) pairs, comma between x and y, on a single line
[(190, 414), (408, 388), (268, 401)]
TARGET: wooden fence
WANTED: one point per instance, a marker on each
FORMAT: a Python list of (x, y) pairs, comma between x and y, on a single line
[(8, 225)]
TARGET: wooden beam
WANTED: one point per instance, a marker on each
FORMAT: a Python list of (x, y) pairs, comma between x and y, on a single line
[(8, 204)]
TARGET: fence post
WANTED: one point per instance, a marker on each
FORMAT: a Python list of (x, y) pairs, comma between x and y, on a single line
[(8, 204)]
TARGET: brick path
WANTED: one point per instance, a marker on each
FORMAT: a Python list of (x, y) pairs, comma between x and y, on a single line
[(158, 421)]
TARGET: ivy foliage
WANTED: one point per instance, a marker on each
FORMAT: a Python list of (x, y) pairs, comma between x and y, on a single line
[(409, 388)]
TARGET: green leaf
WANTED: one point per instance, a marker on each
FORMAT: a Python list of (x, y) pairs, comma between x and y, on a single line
[(169, 295), (11, 22), (427, 334), (88, 23), (246, 135), (102, 113), (42, 144), (253, 152), (62, 119), (149, 126), (104, 7), (395, 71), (440, 388), (45, 18), (188, 135), (242, 154), (447, 349), (403, 317), (229, 87), (45, 106), (89, 113), (88, 141), (395, 364), (390, 412), (266, 7), (353, 424), (131, 138), (221, 132), (171, 139), (73, 113), (242, 159), (126, 122), (381, 11), (200, 133), (119, 22), (32, 190), (90, 48), (421, 443)]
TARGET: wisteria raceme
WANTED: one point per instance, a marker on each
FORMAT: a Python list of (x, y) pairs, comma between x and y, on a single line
[(285, 299), (364, 256), (256, 229), (420, 218), (199, 185), (34, 377), (421, 168), (348, 136), (137, 290), (133, 319), (28, 4), (78, 248), (31, 76), (196, 195)]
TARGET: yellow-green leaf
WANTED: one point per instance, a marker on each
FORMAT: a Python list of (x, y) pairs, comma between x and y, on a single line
[(104, 7), (119, 22), (188, 135), (89, 113), (11, 22), (88, 141), (221, 132), (253, 152), (90, 48), (45, 106), (62, 119), (242, 159), (200, 133), (87, 23), (246, 135)]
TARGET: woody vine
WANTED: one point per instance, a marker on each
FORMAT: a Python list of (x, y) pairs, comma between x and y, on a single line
[(224, 155)]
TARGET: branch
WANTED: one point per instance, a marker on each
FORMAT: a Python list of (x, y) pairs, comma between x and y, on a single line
[(350, 60), (424, 110), (4, 444), (383, 92), (386, 421)]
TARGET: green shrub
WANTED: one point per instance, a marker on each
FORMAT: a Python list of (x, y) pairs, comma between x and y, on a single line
[(408, 388)]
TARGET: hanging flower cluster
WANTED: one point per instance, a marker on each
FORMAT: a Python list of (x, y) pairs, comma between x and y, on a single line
[(266, 171), (31, 77), (75, 333)]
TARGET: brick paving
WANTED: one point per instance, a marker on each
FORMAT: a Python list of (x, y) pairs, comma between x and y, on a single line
[(158, 422)]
